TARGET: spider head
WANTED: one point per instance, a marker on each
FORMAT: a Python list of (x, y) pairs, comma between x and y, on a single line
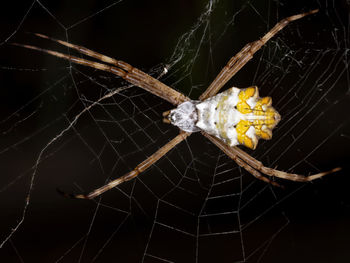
[(184, 116)]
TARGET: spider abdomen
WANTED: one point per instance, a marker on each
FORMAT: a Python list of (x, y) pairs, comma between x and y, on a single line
[(238, 116)]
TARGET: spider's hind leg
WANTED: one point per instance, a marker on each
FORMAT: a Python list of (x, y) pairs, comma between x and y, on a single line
[(256, 168), (246, 54)]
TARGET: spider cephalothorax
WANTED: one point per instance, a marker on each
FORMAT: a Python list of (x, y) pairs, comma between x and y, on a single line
[(236, 116), (185, 116)]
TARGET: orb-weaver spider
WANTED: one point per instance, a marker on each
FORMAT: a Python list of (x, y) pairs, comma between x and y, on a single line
[(227, 119)]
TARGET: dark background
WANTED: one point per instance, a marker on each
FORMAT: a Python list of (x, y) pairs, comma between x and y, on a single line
[(303, 223)]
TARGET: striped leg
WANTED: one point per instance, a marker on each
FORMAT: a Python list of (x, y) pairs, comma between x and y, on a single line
[(134, 173), (256, 168), (246, 54), (117, 67)]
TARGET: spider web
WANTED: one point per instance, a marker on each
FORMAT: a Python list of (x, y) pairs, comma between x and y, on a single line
[(195, 204)]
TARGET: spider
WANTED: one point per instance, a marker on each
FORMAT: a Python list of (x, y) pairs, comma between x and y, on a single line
[(233, 117)]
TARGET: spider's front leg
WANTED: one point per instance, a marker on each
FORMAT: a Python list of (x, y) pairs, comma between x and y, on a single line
[(135, 172), (117, 67)]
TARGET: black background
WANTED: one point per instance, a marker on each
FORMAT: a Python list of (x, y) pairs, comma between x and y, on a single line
[(145, 33)]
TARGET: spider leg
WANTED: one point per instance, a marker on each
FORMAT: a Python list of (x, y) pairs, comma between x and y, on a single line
[(134, 173), (246, 54), (119, 68), (254, 172), (252, 165), (226, 149), (276, 173)]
